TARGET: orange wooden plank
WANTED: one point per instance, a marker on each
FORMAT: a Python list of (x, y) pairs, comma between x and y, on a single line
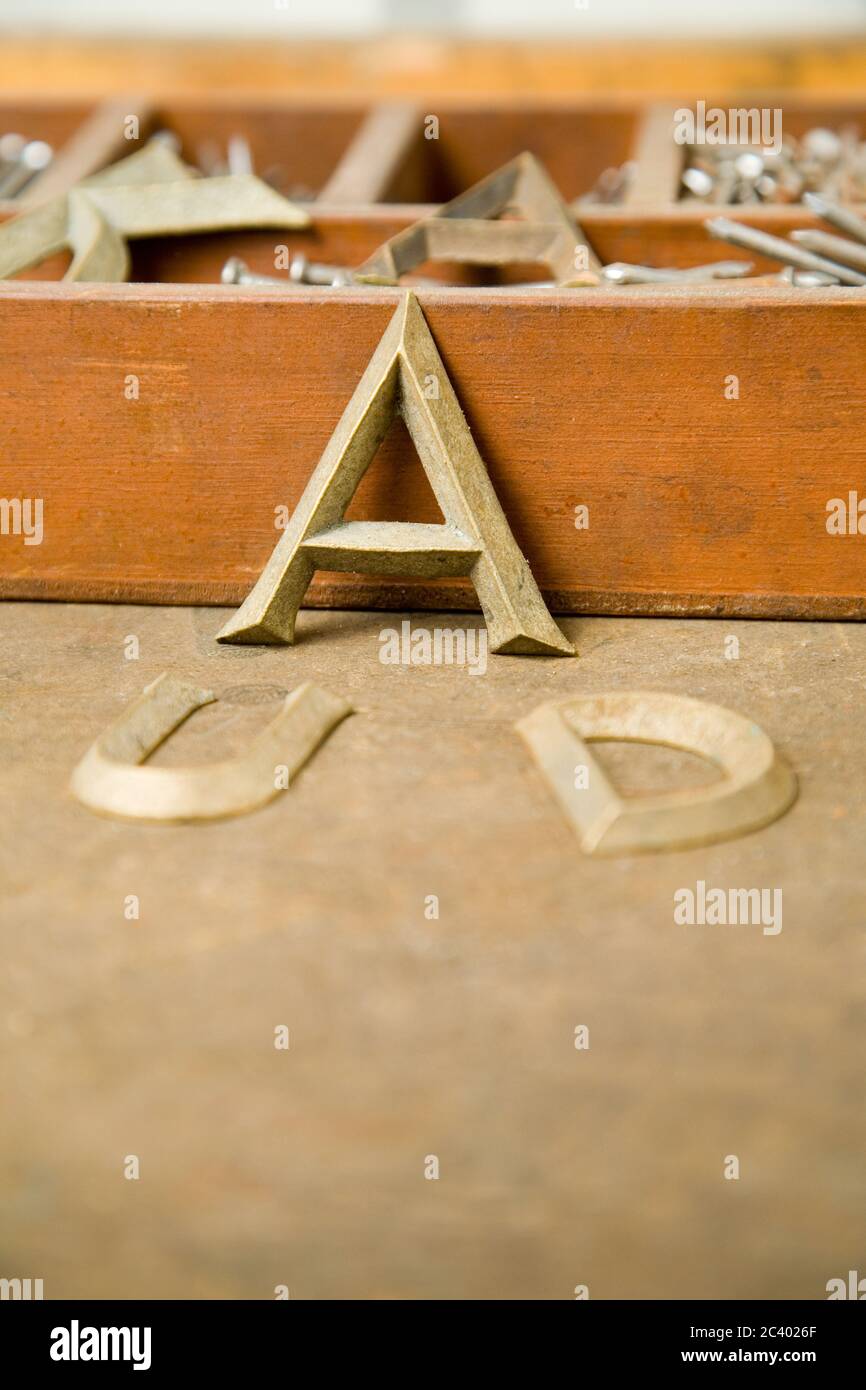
[(697, 503)]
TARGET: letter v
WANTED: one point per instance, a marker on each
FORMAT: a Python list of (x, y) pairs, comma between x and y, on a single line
[(475, 540)]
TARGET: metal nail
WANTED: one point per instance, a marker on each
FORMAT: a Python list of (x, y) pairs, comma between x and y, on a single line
[(35, 156), (237, 272), (209, 159), (239, 155), (305, 272), (698, 182), (822, 145), (837, 248), (168, 139), (828, 162), (843, 218), (749, 165), (777, 249), (620, 273), (11, 146), (811, 279), (611, 185)]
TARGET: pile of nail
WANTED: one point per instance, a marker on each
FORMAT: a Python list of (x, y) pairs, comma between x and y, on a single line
[(823, 161), (20, 161), (813, 257)]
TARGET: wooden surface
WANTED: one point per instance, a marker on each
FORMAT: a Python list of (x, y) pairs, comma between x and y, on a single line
[(412, 65), (610, 400), (408, 1036)]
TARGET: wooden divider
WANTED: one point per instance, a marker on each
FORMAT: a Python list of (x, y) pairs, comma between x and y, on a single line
[(658, 161), (371, 167)]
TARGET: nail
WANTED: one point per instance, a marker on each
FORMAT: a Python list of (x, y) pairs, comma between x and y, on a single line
[(237, 272), (777, 249), (306, 272), (828, 161), (823, 145), (812, 279), (35, 156), (239, 155), (837, 248), (843, 218), (620, 273), (11, 146), (699, 183)]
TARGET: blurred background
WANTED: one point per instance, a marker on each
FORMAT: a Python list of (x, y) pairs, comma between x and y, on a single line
[(424, 48), (297, 18)]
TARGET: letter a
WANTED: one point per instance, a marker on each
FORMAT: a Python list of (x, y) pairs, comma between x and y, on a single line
[(475, 540)]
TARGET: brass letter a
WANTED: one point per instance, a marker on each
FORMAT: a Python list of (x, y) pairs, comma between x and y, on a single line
[(475, 540)]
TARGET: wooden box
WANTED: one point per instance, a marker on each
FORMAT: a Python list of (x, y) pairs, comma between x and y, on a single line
[(703, 498)]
